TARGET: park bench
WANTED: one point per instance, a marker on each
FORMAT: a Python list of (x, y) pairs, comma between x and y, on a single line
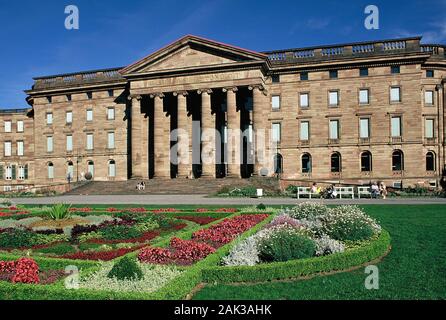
[(345, 191), (305, 191), (364, 191)]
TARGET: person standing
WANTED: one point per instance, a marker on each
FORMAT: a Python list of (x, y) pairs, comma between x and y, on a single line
[(383, 189)]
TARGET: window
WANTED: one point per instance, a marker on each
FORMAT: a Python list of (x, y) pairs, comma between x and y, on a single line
[(49, 118), (335, 162), (275, 100), (333, 98), (20, 148), (306, 163), (305, 130), (70, 170), (395, 94), (8, 173), (89, 115), (20, 126), (22, 174), (304, 76), (49, 144), (429, 128), (89, 95), (110, 113), (366, 161), (429, 73), (111, 93), (112, 168), (430, 161), (333, 74), (278, 164), (89, 141), (364, 128), (275, 78), (69, 117), (50, 99), (68, 97), (7, 188), (363, 72), (69, 143), (364, 96), (334, 129), (396, 127), (395, 69), (276, 134), (429, 97), (111, 140), (8, 126), (397, 160), (50, 170), (304, 100), (8, 148), (91, 168)]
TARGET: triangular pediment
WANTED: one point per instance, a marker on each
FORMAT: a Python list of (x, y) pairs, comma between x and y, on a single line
[(192, 52)]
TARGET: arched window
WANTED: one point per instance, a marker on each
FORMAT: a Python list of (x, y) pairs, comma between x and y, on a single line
[(366, 161), (306, 163), (278, 164), (397, 160), (336, 162), (70, 170), (50, 170), (90, 167), (430, 161), (112, 168)]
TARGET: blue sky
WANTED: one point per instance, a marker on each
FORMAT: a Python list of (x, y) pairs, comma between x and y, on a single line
[(116, 33)]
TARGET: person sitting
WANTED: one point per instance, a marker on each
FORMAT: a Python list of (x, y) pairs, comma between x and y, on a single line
[(383, 189), (331, 192), (315, 189), (143, 186), (374, 189)]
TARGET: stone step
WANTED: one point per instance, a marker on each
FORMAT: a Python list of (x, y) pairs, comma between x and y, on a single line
[(175, 186)]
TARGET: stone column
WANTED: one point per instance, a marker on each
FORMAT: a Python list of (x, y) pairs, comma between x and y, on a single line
[(161, 138), (136, 127), (208, 137), (184, 137), (234, 155), (260, 106)]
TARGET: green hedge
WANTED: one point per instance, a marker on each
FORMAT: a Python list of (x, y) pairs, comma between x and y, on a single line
[(301, 267)]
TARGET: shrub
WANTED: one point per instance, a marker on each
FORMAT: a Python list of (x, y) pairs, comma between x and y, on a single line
[(307, 210), (16, 238), (147, 226), (286, 244), (119, 232), (261, 206), (59, 211), (325, 246), (126, 269), (349, 223)]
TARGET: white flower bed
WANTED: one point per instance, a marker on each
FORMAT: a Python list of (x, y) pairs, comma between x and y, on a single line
[(155, 277)]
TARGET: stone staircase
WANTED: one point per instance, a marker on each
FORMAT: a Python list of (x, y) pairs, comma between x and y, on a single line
[(176, 186)]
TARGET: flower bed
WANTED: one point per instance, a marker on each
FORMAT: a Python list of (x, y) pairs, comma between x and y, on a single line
[(203, 243), (23, 270), (100, 255), (199, 220)]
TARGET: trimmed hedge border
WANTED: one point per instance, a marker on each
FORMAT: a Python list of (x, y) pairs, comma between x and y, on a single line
[(302, 267)]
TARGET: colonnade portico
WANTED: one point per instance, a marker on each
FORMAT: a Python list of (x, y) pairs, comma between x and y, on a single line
[(155, 162)]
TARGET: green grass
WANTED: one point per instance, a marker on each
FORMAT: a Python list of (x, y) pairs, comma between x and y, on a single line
[(414, 269)]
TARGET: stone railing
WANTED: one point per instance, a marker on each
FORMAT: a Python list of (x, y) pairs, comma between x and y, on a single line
[(78, 78), (354, 50)]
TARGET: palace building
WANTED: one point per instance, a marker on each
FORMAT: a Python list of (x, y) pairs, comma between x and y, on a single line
[(350, 113)]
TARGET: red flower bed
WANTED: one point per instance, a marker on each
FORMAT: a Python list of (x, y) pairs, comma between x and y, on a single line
[(166, 210), (81, 209), (201, 210), (227, 210), (100, 255), (24, 270), (147, 236), (200, 220), (136, 210), (182, 252), (113, 210), (228, 229)]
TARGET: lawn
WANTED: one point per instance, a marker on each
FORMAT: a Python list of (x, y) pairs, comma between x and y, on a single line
[(414, 269)]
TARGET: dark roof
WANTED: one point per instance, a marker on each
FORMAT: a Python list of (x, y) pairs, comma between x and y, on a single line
[(10, 111)]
